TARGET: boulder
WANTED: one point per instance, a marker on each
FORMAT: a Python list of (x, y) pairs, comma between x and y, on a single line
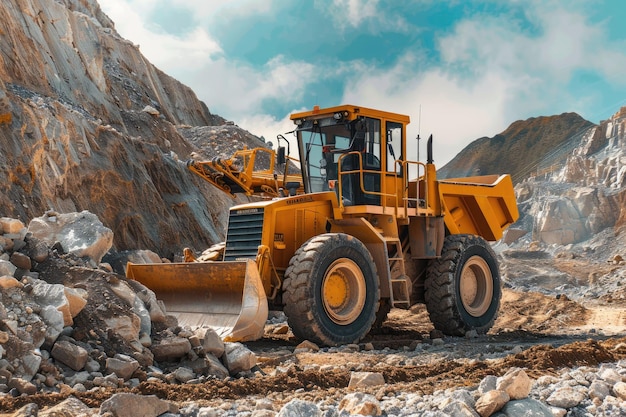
[(81, 234)]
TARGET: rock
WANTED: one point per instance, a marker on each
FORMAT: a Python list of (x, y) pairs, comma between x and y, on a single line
[(39, 252), (22, 386), (68, 408), (21, 261), (215, 367), (11, 226), (7, 281), (620, 390), (184, 374), (68, 301), (70, 354), (306, 346), (487, 384), (109, 381), (131, 405), (151, 111), (459, 409), (29, 410), (170, 349), (610, 376), (54, 321), (299, 408), (360, 403), (157, 313), (29, 366), (238, 358), (127, 326), (566, 397), (491, 402), (365, 379), (211, 342), (121, 365), (81, 234), (599, 389), (525, 408), (516, 383), (7, 268)]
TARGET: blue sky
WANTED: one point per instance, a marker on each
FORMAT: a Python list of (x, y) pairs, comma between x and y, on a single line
[(460, 69)]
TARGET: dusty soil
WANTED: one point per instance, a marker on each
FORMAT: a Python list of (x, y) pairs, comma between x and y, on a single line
[(541, 332)]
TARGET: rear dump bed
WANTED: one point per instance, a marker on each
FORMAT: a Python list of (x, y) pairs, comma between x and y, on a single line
[(227, 296), (483, 205)]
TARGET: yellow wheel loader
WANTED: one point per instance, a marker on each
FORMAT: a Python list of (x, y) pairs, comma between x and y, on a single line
[(360, 238)]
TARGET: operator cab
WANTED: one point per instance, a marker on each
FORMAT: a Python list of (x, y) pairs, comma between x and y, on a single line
[(353, 151)]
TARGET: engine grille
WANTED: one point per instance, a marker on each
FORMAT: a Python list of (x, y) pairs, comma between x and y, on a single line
[(243, 237)]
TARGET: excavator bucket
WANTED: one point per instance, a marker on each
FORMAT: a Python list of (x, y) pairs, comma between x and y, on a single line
[(226, 296)]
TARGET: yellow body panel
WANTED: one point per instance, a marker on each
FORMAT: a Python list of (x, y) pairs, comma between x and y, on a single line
[(483, 206)]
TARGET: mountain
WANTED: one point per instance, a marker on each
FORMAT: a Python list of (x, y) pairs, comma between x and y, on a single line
[(525, 147), (87, 123)]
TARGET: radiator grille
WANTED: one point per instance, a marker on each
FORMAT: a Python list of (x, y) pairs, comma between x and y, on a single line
[(243, 237)]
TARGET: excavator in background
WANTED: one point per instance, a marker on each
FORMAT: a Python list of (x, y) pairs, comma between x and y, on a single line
[(359, 238), (250, 172)]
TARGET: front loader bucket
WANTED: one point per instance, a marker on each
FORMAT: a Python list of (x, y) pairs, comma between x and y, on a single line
[(226, 296)]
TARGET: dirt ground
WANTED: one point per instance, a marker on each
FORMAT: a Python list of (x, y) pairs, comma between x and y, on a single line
[(534, 330)]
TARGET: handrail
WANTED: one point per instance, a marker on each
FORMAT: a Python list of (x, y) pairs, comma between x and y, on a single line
[(405, 192), (421, 173)]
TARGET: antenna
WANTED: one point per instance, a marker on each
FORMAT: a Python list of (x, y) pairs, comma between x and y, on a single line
[(419, 129)]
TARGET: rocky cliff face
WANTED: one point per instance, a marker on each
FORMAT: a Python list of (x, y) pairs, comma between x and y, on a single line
[(87, 123), (570, 203)]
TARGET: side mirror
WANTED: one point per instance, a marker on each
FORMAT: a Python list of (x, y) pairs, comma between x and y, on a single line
[(280, 155)]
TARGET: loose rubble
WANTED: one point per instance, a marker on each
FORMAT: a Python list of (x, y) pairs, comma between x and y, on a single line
[(67, 322)]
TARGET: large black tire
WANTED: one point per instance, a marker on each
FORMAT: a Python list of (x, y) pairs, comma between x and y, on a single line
[(331, 290), (463, 286)]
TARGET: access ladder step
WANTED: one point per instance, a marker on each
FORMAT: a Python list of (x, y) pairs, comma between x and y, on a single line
[(400, 283)]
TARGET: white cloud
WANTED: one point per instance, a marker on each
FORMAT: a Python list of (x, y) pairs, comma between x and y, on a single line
[(166, 51), (350, 14)]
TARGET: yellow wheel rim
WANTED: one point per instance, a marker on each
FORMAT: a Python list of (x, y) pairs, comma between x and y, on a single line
[(343, 291), (476, 286)]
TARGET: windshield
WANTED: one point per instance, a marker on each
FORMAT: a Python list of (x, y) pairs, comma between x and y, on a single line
[(322, 141)]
